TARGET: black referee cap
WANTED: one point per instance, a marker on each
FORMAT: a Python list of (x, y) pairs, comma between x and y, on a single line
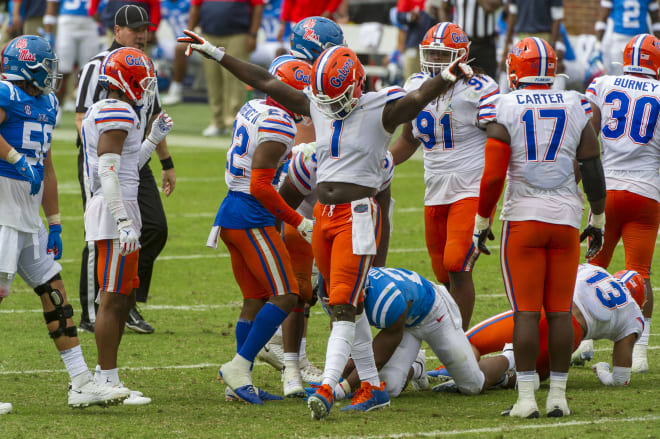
[(132, 16)]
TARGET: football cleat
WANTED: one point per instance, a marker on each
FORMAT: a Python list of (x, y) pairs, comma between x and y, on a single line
[(308, 371), (136, 397), (273, 353), (292, 382), (263, 395), (448, 386), (320, 402), (439, 374), (640, 364), (556, 407), (240, 381), (523, 409), (93, 393), (584, 353), (5, 407), (421, 383), (368, 398)]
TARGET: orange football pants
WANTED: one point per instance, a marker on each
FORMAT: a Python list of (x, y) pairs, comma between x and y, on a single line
[(539, 264), (332, 243), (116, 273), (491, 335), (302, 260), (635, 219), (448, 229), (260, 261)]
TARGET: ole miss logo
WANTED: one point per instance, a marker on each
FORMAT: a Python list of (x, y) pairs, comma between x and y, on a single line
[(309, 31), (337, 81), (21, 43), (26, 55)]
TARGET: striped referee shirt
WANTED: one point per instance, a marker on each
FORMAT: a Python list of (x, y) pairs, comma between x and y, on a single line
[(473, 19)]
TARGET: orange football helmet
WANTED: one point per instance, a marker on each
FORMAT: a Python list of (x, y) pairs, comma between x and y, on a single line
[(642, 55), (337, 79), (634, 282), (291, 71), (443, 44), (531, 61), (130, 71)]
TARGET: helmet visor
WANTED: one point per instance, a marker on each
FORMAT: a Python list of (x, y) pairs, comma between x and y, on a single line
[(434, 59), (339, 107)]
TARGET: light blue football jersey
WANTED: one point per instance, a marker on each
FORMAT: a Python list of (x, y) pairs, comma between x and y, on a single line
[(28, 127), (74, 7), (389, 290), (630, 16)]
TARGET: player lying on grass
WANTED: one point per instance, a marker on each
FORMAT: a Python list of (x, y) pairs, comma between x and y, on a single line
[(27, 116), (352, 133), (605, 307), (408, 309)]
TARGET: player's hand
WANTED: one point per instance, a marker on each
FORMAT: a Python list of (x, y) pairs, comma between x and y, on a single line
[(169, 181), (129, 239), (481, 233), (160, 128), (594, 231), (32, 175), (305, 228), (453, 70), (198, 43), (55, 240)]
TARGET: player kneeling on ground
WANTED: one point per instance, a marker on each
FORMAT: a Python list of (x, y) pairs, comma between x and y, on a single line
[(27, 117)]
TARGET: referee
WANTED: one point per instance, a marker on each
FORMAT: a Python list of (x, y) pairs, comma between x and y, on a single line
[(131, 24), (478, 20)]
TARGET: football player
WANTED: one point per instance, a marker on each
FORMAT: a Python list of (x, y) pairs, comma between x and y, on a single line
[(535, 137), (27, 116), (626, 114), (453, 134), (262, 140), (352, 133), (114, 154), (606, 307)]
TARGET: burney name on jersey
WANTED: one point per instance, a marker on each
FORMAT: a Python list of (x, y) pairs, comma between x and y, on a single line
[(634, 84)]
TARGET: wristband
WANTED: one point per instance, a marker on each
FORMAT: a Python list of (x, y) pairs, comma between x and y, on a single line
[(50, 19), (54, 219), (13, 156), (167, 164), (597, 221), (600, 25)]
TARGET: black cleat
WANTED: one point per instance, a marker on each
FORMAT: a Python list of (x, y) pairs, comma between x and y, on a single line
[(86, 326), (136, 323)]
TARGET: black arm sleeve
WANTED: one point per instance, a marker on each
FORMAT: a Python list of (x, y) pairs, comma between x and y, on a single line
[(593, 178)]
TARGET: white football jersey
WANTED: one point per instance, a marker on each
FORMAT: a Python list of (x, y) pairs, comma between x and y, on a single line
[(630, 132), (106, 115), (302, 175), (545, 128), (256, 123), (608, 308), (352, 150), (452, 132)]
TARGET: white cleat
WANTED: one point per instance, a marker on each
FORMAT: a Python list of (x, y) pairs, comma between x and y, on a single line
[(273, 354), (557, 408), (235, 376), (135, 397), (309, 372), (584, 353), (173, 97), (292, 382), (523, 409), (5, 407), (421, 383), (640, 363), (92, 393)]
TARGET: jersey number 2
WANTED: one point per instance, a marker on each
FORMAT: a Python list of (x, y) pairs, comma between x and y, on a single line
[(239, 147)]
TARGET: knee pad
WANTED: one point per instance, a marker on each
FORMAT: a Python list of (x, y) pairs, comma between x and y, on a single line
[(61, 312)]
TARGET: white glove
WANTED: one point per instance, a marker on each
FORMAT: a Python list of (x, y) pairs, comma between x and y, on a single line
[(308, 149), (305, 229), (198, 43), (129, 239), (448, 75), (160, 128)]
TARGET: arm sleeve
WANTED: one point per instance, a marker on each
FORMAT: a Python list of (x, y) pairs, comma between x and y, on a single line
[(262, 189), (109, 175), (498, 154)]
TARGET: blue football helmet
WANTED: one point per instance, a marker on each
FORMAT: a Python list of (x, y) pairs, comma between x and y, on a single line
[(311, 36), (30, 58)]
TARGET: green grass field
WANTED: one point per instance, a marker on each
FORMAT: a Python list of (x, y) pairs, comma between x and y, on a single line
[(194, 304)]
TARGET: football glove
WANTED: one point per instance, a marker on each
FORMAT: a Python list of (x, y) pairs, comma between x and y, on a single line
[(29, 172), (55, 240), (594, 231), (305, 228), (198, 43), (451, 71), (129, 239), (481, 232), (160, 128)]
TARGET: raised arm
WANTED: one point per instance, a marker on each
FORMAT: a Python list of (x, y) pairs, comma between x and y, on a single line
[(251, 74)]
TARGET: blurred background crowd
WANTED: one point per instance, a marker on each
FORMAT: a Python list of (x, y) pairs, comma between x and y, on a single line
[(385, 34)]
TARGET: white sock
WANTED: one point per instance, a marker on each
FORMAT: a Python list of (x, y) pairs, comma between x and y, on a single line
[(278, 333), (557, 384), (109, 377), (303, 343), (81, 379), (291, 358), (509, 356), (74, 361), (339, 347), (526, 385), (644, 339), (362, 352), (175, 87)]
